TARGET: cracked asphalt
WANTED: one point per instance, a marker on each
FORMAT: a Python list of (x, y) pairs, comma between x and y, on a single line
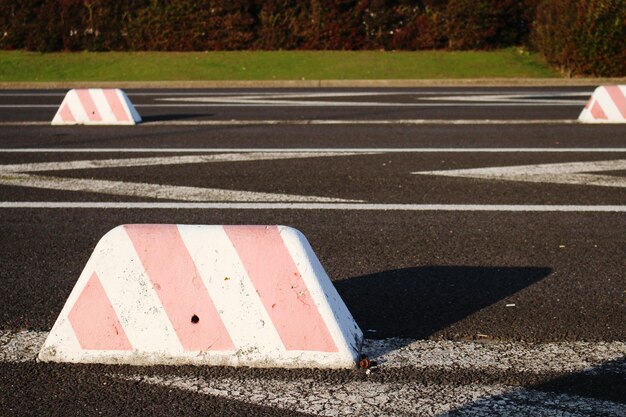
[(491, 311)]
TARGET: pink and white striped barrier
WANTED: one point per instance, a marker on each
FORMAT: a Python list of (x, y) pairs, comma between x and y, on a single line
[(606, 105), (96, 106), (206, 295)]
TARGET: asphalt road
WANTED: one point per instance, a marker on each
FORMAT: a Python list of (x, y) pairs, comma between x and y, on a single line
[(477, 235)]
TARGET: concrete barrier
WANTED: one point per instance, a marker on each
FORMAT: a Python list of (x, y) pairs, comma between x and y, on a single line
[(606, 105), (206, 295), (96, 106)]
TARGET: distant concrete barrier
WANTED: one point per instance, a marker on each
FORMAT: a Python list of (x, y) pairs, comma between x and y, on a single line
[(96, 106), (205, 295), (606, 105)]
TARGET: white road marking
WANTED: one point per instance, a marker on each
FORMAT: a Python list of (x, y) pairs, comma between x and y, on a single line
[(517, 98), (26, 123), (313, 206), (394, 353), (29, 106), (291, 99), (353, 151), (247, 97), (285, 103), (371, 397), (516, 357), (259, 94), (169, 160), (157, 191), (313, 122), (272, 93), (560, 173), (13, 175), (20, 346)]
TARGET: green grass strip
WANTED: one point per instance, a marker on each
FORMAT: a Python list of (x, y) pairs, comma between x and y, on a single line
[(20, 66)]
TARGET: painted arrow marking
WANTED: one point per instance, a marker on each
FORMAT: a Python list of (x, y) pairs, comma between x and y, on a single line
[(327, 99), (562, 173), (538, 98), (21, 175)]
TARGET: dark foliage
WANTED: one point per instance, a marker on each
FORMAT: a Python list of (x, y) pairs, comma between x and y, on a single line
[(476, 24), (579, 36), (583, 36)]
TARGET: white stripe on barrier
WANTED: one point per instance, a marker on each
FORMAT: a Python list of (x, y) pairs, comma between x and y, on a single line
[(225, 275), (120, 263), (343, 324)]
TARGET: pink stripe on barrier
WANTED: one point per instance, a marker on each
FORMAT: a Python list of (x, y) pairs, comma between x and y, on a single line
[(618, 98), (94, 321), (597, 112), (281, 288), (179, 286), (66, 113), (116, 105), (88, 105)]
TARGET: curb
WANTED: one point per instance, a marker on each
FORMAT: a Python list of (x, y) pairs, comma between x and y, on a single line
[(464, 82)]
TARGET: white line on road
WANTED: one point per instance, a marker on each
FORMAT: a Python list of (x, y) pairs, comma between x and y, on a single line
[(298, 122), (169, 160), (517, 98), (371, 397), (29, 106), (26, 123), (312, 206), (309, 150), (393, 92), (247, 97), (574, 173), (20, 346), (13, 175), (156, 191), (277, 103), (314, 122), (295, 99), (273, 103), (555, 357)]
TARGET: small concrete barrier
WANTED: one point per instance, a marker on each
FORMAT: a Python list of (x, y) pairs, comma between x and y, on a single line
[(205, 295), (96, 106), (606, 105)]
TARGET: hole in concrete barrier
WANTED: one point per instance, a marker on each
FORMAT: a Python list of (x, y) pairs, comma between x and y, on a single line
[(195, 319)]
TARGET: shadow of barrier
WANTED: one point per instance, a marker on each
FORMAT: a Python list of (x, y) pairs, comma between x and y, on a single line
[(169, 117), (598, 391), (606, 382), (415, 303)]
